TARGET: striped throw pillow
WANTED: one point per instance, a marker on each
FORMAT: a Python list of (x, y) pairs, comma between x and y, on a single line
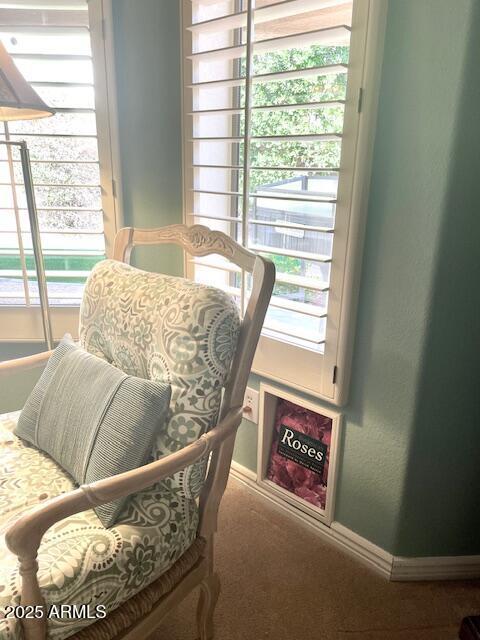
[(93, 419)]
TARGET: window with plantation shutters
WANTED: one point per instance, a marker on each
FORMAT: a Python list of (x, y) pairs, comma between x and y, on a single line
[(51, 44), (272, 114)]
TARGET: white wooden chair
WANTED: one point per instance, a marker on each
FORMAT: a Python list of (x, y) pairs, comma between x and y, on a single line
[(137, 617)]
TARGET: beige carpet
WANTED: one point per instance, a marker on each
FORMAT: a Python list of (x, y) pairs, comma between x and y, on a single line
[(281, 581)]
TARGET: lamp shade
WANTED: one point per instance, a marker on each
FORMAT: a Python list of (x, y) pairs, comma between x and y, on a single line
[(18, 101)]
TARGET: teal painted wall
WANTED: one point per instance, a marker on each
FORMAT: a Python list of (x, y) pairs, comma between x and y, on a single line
[(440, 508), (147, 50), (409, 454), (414, 141), (14, 390)]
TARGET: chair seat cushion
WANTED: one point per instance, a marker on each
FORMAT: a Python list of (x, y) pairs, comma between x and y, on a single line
[(81, 562)]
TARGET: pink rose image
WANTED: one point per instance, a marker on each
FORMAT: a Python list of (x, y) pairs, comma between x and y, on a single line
[(316, 496), (293, 476)]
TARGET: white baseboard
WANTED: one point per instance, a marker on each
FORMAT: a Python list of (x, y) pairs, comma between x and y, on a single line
[(240, 472), (362, 549), (436, 568), (394, 568)]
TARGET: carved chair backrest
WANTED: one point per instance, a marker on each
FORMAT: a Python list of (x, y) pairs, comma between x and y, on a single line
[(198, 240)]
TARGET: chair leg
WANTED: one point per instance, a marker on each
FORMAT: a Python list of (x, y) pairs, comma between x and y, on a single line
[(209, 592)]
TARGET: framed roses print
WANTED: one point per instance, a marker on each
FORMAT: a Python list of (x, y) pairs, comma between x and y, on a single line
[(298, 446)]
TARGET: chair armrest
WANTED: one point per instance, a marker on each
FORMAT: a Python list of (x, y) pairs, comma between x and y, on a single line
[(24, 536), (8, 367)]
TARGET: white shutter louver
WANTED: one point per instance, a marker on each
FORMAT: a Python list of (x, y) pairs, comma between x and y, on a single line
[(278, 70), (50, 44)]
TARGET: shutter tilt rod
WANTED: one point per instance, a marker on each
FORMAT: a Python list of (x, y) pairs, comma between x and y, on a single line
[(36, 241)]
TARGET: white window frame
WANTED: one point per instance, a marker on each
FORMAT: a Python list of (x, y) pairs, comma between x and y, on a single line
[(24, 324), (324, 375)]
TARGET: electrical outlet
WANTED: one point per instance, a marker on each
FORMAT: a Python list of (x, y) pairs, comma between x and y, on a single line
[(250, 405)]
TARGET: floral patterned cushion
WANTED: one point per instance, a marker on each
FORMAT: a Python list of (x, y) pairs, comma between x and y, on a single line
[(81, 562), (167, 329)]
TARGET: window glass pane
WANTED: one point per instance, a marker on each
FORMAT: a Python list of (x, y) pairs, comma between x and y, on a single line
[(62, 197), (67, 97), (72, 221), (57, 148), (298, 122), (60, 172), (60, 123), (299, 91)]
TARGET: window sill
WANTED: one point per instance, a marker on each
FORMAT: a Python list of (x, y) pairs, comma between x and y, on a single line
[(295, 367)]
